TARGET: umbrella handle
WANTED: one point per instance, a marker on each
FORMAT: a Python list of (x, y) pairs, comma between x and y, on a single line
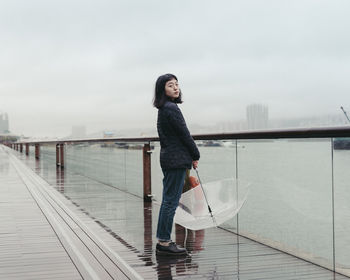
[(205, 196)]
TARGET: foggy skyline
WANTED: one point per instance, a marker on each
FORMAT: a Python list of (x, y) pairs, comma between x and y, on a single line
[(94, 63)]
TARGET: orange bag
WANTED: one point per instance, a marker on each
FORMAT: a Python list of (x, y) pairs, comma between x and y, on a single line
[(193, 182)]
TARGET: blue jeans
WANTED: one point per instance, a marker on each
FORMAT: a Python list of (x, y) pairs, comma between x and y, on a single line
[(173, 183)]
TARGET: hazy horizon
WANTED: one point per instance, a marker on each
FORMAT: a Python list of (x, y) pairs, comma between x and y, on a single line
[(66, 63)]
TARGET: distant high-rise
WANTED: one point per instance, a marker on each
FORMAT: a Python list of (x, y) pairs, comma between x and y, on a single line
[(257, 116), (4, 123)]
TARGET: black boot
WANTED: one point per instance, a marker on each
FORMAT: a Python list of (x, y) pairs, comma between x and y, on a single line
[(171, 249)]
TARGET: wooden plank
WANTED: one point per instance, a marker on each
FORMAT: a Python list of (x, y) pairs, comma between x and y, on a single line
[(24, 231)]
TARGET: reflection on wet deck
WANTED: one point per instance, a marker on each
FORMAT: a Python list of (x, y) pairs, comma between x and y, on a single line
[(214, 253)]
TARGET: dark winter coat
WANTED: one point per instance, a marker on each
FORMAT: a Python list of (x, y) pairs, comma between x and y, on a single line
[(178, 148)]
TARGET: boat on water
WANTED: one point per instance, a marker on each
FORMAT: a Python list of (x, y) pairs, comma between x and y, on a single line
[(217, 143), (341, 143), (209, 143)]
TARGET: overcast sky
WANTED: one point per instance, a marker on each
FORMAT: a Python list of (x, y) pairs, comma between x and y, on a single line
[(95, 62)]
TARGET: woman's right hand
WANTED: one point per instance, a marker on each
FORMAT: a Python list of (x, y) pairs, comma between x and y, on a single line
[(195, 164)]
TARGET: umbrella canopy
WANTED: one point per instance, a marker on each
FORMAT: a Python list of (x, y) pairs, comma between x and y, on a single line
[(225, 197)]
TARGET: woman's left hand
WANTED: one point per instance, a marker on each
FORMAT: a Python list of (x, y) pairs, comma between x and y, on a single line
[(195, 164)]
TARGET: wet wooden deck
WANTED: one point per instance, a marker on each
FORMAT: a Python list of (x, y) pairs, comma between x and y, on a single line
[(32, 246), (40, 238)]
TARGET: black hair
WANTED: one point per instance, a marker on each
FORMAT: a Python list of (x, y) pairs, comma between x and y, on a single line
[(159, 93)]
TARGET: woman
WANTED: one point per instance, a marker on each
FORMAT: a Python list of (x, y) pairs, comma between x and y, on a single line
[(178, 152)]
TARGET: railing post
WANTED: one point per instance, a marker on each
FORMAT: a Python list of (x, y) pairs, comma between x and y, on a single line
[(62, 155), (27, 149), (21, 148), (57, 155), (37, 151), (147, 190)]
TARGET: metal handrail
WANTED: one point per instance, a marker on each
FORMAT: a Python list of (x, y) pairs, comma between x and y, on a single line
[(318, 132)]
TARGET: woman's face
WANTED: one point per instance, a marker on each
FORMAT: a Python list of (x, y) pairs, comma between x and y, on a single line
[(172, 89)]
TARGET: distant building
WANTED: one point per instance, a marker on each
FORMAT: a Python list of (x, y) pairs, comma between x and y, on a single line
[(78, 131), (4, 123), (108, 134), (257, 116)]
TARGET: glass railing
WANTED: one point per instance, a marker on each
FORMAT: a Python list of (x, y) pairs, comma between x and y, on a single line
[(341, 163), (290, 202), (298, 199), (289, 206), (116, 164)]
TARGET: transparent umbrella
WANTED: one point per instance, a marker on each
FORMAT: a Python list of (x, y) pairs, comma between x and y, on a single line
[(211, 204)]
